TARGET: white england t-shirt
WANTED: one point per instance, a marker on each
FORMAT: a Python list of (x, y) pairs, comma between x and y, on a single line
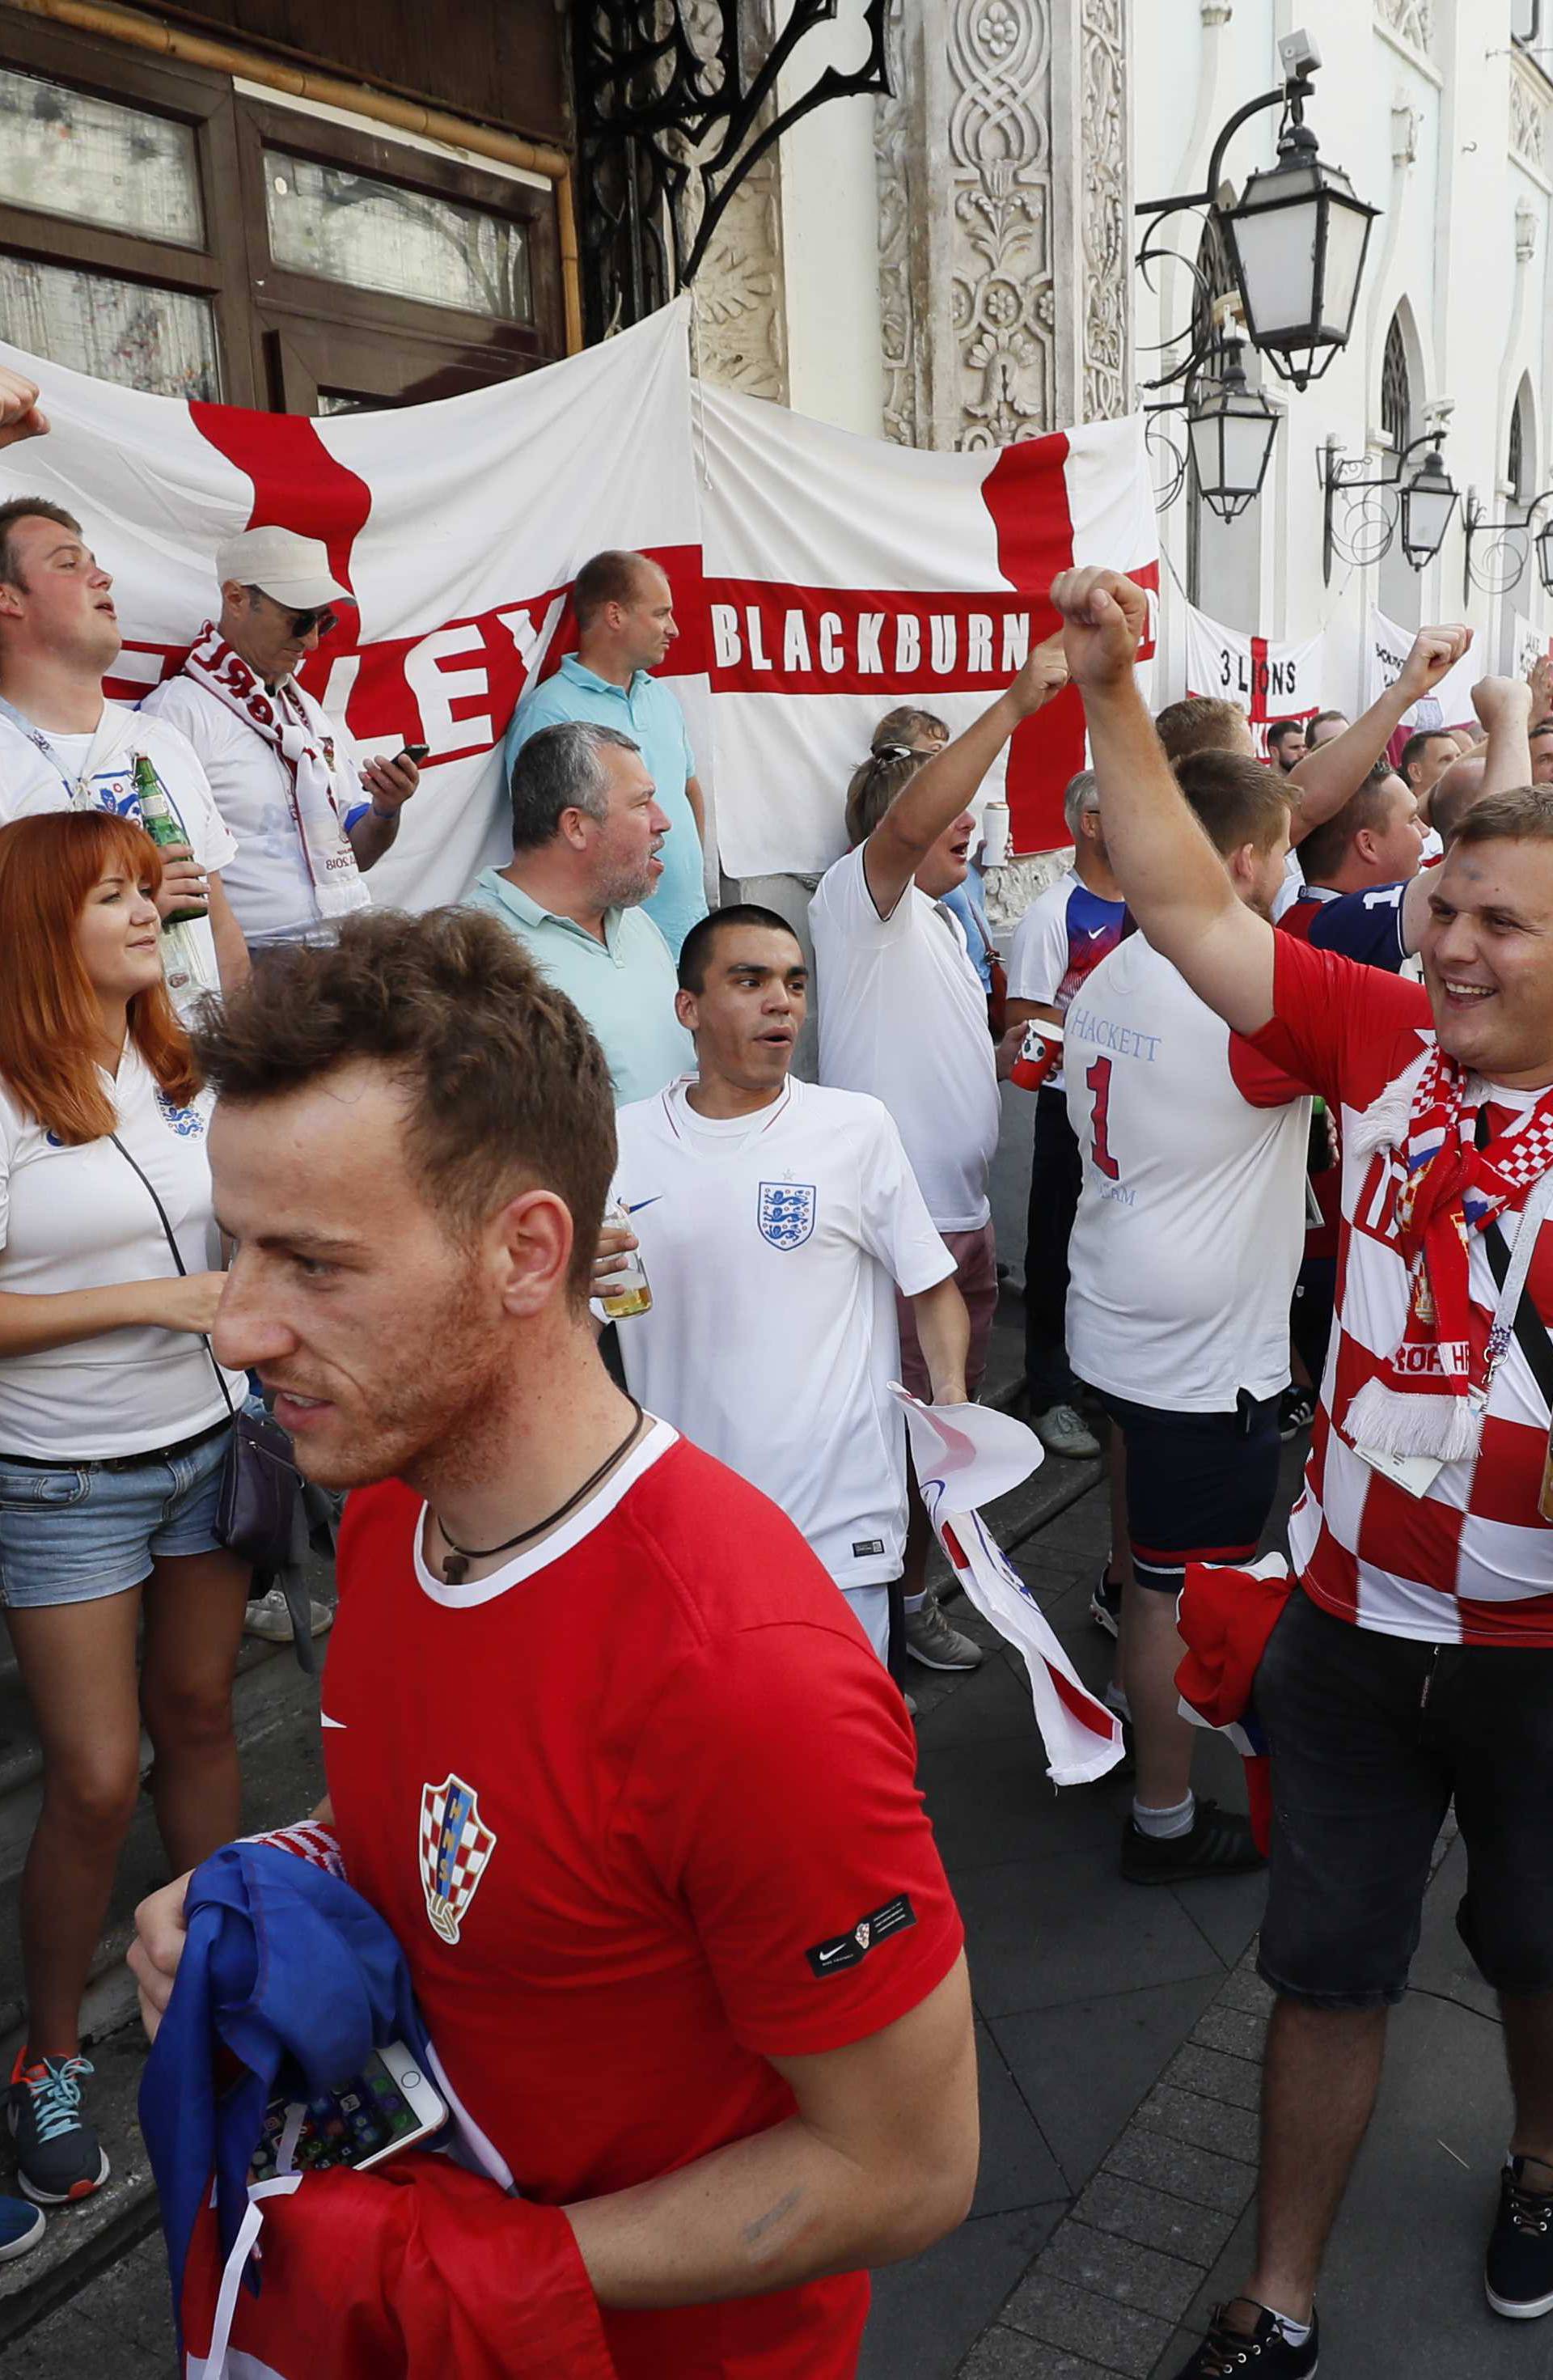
[(903, 1016), (1191, 1220), (773, 1245), (268, 881), (76, 1218), (97, 771)]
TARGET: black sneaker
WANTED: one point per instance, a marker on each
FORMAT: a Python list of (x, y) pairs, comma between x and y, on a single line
[(59, 2156), (1296, 1411), (1518, 2274), (1105, 1604), (1261, 2354), (1217, 1843)]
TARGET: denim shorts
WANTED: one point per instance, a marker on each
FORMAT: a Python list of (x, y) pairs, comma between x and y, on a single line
[(1371, 1737), (70, 1536)]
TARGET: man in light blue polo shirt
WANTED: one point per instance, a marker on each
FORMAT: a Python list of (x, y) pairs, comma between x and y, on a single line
[(587, 832), (626, 625)]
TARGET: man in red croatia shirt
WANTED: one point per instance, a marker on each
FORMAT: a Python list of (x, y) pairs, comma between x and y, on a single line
[(689, 1959), (1415, 1662)]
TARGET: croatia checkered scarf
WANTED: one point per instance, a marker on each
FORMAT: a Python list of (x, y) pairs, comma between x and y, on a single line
[(1428, 1398)]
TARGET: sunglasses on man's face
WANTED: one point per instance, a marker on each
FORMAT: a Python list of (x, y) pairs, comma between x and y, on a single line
[(303, 623)]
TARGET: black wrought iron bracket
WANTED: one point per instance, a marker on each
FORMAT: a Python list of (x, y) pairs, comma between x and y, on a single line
[(1508, 542), (1344, 475), (1291, 96), (1166, 450), (670, 126)]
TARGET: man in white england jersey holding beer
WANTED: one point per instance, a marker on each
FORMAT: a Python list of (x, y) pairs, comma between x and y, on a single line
[(1413, 1663), (777, 1219)]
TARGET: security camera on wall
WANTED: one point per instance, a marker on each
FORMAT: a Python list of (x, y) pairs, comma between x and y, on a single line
[(1300, 54)]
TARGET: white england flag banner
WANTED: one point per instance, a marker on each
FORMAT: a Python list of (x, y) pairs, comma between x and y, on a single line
[(1450, 703), (820, 578), (845, 575), (1270, 680), (964, 1457), (457, 525)]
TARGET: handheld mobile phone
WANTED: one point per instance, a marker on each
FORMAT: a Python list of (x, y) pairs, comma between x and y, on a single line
[(388, 2106), (416, 752)]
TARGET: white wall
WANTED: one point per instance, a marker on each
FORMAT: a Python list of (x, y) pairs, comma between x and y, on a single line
[(1446, 244)]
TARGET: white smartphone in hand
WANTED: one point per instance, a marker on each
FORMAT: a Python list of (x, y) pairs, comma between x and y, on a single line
[(388, 2106)]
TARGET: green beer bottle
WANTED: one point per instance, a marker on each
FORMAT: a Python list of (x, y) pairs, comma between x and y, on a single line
[(161, 822)]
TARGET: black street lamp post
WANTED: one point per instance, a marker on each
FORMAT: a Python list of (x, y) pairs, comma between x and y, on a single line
[(1425, 499), (1296, 241)]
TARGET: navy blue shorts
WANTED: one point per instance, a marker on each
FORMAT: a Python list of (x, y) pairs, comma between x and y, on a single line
[(1200, 1486)]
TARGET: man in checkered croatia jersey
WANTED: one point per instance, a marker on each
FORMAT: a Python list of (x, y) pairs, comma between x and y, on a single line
[(1414, 1664)]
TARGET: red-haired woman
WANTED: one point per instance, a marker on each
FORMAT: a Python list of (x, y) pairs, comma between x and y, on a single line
[(113, 1427)]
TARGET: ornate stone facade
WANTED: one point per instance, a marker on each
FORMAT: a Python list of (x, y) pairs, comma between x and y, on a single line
[(741, 318), (1412, 20), (1003, 219), (905, 394), (1528, 120)]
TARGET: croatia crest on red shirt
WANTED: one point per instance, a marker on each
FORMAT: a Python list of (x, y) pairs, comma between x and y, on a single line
[(454, 1847)]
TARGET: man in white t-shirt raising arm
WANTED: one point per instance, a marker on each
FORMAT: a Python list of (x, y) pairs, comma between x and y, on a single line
[(1181, 1263), (778, 1216), (64, 746), (903, 1015), (1410, 1666), (309, 816), (1063, 935)]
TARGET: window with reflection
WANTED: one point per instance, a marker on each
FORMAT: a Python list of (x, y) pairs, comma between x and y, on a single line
[(67, 153), (375, 235), (160, 340)]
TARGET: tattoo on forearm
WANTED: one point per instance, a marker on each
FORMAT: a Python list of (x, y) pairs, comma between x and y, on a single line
[(756, 2231)]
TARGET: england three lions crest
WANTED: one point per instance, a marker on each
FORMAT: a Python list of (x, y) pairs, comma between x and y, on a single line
[(454, 1847), (787, 1215)]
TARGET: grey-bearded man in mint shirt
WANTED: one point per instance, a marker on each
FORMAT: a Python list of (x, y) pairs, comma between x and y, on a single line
[(586, 834)]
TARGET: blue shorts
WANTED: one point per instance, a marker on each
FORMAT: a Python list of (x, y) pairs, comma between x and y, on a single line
[(70, 1536)]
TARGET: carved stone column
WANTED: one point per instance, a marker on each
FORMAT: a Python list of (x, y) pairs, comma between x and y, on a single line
[(741, 321), (741, 316), (1003, 219)]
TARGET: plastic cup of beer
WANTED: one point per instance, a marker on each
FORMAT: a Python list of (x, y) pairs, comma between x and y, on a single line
[(1041, 1054)]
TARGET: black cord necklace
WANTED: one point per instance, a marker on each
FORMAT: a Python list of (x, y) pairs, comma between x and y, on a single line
[(456, 1562)]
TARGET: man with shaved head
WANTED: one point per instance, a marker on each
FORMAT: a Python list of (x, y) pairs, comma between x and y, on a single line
[(624, 610)]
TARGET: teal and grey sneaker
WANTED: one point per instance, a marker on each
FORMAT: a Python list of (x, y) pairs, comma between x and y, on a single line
[(59, 2156)]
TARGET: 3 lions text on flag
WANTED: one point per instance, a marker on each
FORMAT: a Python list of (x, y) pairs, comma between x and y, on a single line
[(818, 578)]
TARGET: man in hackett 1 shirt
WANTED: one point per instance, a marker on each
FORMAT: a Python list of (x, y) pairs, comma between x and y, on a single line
[(1063, 935), (604, 1747)]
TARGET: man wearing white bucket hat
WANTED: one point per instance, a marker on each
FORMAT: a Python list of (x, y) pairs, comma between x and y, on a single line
[(309, 816)]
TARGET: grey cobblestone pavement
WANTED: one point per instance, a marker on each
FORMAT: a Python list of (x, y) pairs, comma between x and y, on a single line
[(1120, 2033)]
